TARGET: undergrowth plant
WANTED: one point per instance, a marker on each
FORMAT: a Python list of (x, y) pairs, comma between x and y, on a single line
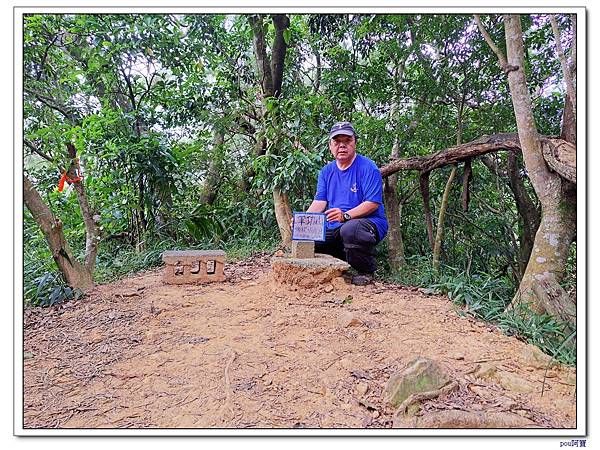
[(486, 297)]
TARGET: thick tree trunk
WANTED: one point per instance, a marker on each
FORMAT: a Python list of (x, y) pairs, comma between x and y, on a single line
[(393, 213), (456, 154), (437, 248), (558, 154), (550, 249), (270, 71), (281, 23), (262, 59), (557, 226), (75, 274)]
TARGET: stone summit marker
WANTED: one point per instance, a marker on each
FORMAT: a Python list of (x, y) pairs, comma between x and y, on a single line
[(305, 268), (193, 266), (306, 229)]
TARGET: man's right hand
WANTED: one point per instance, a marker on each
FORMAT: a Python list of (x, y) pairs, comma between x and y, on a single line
[(335, 215)]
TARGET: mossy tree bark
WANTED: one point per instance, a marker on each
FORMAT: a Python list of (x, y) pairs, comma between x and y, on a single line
[(393, 212), (557, 196)]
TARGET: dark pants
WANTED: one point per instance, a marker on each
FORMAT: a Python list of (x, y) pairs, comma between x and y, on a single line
[(353, 242)]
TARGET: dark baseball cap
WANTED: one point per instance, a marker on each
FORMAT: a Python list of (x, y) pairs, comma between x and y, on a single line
[(345, 128)]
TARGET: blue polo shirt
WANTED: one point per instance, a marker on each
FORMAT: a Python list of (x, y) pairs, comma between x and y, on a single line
[(348, 188)]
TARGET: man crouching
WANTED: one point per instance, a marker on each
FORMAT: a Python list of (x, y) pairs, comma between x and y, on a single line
[(349, 191)]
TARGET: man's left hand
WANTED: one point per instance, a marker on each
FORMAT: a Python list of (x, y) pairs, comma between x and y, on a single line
[(334, 215)]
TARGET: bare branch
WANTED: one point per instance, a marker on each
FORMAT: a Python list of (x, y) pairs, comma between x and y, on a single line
[(44, 57), (563, 63), (37, 150), (52, 104), (501, 58)]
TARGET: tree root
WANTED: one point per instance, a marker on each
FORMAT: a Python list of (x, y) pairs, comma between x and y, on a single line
[(414, 398), (227, 403)]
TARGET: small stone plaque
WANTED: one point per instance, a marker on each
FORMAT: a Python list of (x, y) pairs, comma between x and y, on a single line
[(308, 226)]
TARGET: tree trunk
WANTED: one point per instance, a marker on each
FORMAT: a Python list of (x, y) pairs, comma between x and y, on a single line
[(568, 130), (437, 248), (260, 52), (141, 216), (467, 176), (317, 82), (452, 155), (557, 197), (92, 235), (75, 274), (528, 212), (564, 65), (392, 210), (283, 214), (281, 23), (530, 216), (270, 71), (424, 186), (210, 186)]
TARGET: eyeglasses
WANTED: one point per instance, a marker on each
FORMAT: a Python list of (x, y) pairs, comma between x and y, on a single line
[(345, 141)]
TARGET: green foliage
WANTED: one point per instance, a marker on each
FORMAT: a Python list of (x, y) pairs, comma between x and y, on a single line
[(486, 297), (47, 290)]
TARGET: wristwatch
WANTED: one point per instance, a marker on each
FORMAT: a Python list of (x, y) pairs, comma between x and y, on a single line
[(346, 217)]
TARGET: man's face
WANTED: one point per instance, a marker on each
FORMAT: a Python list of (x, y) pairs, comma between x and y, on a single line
[(343, 148)]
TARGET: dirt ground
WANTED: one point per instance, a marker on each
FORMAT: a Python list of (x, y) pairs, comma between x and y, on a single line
[(249, 352)]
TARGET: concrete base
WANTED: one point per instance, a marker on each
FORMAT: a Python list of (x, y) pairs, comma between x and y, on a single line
[(308, 272)]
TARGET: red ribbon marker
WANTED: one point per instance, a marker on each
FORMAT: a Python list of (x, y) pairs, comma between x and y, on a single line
[(61, 183)]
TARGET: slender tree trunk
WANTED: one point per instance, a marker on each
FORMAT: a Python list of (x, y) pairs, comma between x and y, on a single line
[(92, 235), (437, 248), (392, 210), (75, 274), (564, 65), (317, 83), (557, 197), (142, 224), (530, 216), (528, 212), (424, 186), (211, 183), (467, 176), (568, 130)]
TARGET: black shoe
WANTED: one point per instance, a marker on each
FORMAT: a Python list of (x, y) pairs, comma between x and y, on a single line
[(362, 279)]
